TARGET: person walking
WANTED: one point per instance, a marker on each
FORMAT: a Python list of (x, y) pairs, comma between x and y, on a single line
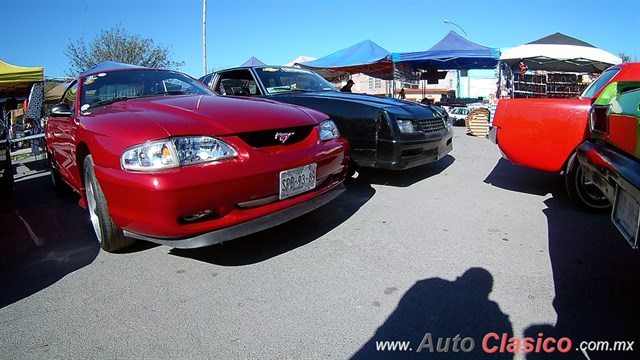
[(348, 86)]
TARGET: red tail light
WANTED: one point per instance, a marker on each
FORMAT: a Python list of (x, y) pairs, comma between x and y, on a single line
[(599, 119)]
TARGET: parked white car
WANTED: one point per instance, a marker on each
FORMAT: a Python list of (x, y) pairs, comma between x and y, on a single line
[(458, 114)]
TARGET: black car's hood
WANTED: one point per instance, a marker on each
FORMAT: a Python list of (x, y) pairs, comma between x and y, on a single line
[(372, 100)]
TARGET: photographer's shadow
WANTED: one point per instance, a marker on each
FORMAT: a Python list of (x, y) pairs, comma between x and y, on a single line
[(435, 310)]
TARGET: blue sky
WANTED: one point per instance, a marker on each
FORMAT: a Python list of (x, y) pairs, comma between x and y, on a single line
[(37, 32)]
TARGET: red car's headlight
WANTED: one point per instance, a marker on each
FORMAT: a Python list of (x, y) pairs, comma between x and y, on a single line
[(174, 152)]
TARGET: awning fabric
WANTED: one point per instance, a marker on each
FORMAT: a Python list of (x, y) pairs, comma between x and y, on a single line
[(560, 53), (453, 52), (364, 57), (55, 94), (16, 81), (109, 65), (253, 61)]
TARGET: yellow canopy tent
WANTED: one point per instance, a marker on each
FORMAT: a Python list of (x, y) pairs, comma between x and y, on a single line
[(16, 81)]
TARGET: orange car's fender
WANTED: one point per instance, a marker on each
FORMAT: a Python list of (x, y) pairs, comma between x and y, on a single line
[(541, 133)]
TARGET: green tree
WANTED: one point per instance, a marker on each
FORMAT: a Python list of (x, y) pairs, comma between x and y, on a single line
[(118, 45)]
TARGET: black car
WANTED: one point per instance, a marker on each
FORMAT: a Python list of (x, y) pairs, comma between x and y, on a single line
[(384, 132)]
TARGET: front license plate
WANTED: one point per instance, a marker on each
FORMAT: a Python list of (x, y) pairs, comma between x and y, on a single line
[(626, 216), (298, 180)]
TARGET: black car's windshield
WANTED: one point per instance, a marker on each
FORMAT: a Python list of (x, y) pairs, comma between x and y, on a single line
[(283, 79), (600, 82), (110, 86)]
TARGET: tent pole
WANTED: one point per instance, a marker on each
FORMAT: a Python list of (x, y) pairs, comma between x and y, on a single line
[(393, 76), (458, 89), (499, 93)]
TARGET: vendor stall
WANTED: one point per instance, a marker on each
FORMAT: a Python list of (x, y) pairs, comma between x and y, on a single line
[(17, 82), (553, 66)]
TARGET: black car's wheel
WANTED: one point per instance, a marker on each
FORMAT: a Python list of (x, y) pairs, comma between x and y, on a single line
[(352, 169), (584, 193), (109, 235)]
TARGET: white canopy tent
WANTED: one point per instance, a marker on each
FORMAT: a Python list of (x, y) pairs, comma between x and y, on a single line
[(299, 59), (560, 53)]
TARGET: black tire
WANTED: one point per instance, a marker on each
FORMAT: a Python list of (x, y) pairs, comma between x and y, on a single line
[(110, 236), (352, 169), (583, 193), (57, 182)]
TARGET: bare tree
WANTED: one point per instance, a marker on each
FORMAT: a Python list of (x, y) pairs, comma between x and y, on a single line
[(118, 45), (625, 58)]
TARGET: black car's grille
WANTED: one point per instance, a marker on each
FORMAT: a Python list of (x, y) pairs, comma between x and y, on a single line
[(431, 125), (287, 136)]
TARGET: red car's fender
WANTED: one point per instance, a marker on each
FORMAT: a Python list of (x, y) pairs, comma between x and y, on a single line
[(541, 133)]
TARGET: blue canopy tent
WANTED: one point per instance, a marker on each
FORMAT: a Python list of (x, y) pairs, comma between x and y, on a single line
[(253, 61), (364, 57), (453, 52), (108, 65)]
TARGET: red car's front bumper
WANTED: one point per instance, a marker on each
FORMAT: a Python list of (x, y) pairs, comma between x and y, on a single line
[(240, 194)]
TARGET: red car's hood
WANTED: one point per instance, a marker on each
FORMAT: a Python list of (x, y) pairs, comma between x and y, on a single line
[(204, 114)]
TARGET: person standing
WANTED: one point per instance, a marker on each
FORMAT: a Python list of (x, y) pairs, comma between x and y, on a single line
[(401, 94)]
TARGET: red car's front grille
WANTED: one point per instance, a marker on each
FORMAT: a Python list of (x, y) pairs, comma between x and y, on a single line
[(276, 137)]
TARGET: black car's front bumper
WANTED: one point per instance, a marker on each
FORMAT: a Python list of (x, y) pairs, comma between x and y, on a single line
[(400, 155), (617, 175)]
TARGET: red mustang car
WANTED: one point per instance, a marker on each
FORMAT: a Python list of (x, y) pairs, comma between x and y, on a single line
[(544, 134), (156, 156)]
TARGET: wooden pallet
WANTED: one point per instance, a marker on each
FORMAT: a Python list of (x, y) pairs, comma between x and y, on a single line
[(477, 122)]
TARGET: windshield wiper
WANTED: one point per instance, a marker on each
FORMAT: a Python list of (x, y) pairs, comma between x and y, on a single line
[(110, 101), (284, 87), (171, 92)]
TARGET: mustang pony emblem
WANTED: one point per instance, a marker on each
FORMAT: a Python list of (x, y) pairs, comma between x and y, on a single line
[(283, 136)]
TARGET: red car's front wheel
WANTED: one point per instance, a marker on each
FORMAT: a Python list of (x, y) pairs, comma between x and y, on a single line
[(109, 235)]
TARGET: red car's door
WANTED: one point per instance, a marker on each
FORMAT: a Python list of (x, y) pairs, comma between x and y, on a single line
[(60, 136)]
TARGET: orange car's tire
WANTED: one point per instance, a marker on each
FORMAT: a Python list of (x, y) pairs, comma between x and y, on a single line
[(110, 236), (584, 193)]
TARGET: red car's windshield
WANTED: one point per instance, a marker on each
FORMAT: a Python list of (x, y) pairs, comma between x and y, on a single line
[(107, 87)]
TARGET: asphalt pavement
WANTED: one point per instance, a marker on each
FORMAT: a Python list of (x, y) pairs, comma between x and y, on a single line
[(470, 252)]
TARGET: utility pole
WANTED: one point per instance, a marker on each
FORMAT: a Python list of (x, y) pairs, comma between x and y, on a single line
[(458, 87), (204, 36)]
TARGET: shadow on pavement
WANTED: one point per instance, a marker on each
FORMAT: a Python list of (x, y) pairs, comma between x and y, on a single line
[(404, 178), (435, 310), (45, 236), (278, 240), (595, 271), (508, 176), (595, 274)]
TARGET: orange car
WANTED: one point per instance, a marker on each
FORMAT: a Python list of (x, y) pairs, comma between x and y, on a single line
[(544, 134)]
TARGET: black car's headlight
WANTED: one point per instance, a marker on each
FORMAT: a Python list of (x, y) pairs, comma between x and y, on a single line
[(407, 126), (328, 130), (174, 152)]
